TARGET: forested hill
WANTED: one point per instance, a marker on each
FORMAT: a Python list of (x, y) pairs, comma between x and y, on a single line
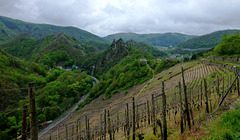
[(144, 46), (51, 50), (15, 73), (55, 91), (206, 41), (162, 40), (103, 61), (10, 28)]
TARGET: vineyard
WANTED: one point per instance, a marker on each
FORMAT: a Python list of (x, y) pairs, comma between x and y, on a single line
[(169, 104)]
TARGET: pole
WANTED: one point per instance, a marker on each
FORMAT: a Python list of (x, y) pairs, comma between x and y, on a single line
[(33, 113), (186, 101), (105, 124), (134, 120), (164, 113), (206, 96), (181, 109), (24, 122), (153, 115)]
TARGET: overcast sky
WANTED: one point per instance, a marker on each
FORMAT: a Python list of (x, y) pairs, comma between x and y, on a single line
[(103, 17)]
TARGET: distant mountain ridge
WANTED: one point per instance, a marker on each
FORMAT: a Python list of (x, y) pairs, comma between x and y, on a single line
[(157, 39), (205, 41), (10, 28)]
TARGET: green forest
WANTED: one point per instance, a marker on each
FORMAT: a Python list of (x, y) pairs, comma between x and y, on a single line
[(55, 91), (230, 45)]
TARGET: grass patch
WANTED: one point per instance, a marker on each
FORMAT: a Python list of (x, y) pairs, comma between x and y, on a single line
[(227, 126)]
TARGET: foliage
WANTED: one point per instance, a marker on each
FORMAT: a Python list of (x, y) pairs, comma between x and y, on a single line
[(51, 50), (165, 64), (8, 127), (230, 45), (14, 74), (143, 46), (124, 75), (41, 118), (63, 88), (105, 60), (56, 89), (94, 46), (21, 46), (227, 125)]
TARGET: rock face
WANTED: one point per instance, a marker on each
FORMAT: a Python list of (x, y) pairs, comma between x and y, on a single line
[(130, 42), (110, 57)]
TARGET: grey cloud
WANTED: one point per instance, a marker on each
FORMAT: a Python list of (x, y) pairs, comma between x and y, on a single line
[(141, 16)]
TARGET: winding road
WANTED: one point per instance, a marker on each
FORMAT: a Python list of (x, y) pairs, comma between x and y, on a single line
[(56, 122)]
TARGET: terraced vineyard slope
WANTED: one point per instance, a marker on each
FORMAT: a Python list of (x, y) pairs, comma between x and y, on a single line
[(148, 104)]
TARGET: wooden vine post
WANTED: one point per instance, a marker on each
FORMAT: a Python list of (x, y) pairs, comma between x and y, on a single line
[(148, 111), (105, 124), (181, 109), (164, 113), (33, 113), (86, 123), (128, 126), (206, 96), (218, 91), (66, 132), (133, 119), (153, 115), (223, 90), (186, 101), (77, 129), (109, 126), (58, 134), (72, 131), (238, 86), (201, 93), (117, 122)]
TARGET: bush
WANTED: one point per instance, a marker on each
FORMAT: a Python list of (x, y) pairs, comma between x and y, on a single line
[(230, 45), (41, 118)]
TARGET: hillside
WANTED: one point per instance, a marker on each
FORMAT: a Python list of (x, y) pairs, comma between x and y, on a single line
[(102, 62), (148, 104), (114, 54), (205, 41), (15, 73), (51, 50), (55, 90), (10, 28), (160, 40), (146, 47)]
